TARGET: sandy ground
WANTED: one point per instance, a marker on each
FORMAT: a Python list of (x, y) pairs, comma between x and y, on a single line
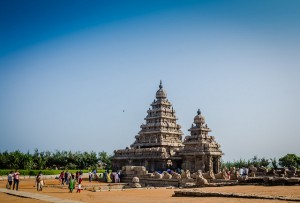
[(147, 195)]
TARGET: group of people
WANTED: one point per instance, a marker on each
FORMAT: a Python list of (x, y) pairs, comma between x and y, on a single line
[(244, 171), (71, 179), (112, 176), (93, 175), (65, 177), (13, 177)]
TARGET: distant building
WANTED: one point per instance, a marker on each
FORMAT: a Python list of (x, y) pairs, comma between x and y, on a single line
[(159, 146)]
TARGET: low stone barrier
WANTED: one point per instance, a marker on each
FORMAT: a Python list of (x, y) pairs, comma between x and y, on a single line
[(108, 187), (159, 182), (153, 182), (185, 193), (281, 181)]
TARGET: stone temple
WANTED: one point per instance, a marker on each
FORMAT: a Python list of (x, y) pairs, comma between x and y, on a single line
[(159, 145)]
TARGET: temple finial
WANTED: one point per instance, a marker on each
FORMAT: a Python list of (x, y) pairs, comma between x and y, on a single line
[(198, 112), (160, 85)]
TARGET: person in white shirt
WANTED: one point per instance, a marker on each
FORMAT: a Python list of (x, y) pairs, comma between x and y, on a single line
[(39, 182), (10, 178)]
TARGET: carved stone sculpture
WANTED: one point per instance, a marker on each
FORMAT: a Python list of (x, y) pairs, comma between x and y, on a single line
[(200, 180), (186, 174), (157, 175), (176, 175), (222, 175), (209, 175), (135, 182), (166, 175)]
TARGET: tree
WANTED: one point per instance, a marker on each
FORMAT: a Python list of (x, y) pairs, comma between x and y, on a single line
[(264, 162), (254, 161), (289, 160), (274, 163), (105, 158)]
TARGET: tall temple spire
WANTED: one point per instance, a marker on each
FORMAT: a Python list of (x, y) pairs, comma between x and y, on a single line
[(198, 112), (160, 85), (161, 128), (161, 93)]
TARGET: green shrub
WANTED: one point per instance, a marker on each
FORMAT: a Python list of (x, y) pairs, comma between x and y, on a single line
[(4, 172)]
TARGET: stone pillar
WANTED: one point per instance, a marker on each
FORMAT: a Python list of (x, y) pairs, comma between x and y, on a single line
[(218, 164), (210, 163), (195, 164), (146, 164), (203, 163)]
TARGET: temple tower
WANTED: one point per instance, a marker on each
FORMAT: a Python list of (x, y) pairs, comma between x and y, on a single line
[(158, 142), (161, 129), (201, 151)]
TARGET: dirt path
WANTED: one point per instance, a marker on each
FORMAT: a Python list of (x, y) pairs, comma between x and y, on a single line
[(37, 196)]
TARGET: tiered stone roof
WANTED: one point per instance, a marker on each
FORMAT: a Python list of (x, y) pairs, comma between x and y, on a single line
[(199, 142), (161, 128)]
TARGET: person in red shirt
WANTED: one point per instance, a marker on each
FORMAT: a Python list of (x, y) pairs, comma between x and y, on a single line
[(62, 177)]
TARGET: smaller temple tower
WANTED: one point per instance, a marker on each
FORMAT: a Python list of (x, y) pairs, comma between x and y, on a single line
[(201, 151)]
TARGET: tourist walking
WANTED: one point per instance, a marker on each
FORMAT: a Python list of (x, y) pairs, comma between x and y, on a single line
[(90, 176), (108, 178), (77, 174), (105, 176), (16, 180), (79, 182), (67, 177), (116, 177), (119, 173), (241, 171), (72, 183), (246, 171), (62, 177), (39, 181), (10, 178)]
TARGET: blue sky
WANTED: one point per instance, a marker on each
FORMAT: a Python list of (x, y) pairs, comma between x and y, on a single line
[(68, 69)]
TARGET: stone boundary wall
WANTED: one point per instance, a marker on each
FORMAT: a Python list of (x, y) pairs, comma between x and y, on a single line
[(153, 182), (230, 195), (160, 182)]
